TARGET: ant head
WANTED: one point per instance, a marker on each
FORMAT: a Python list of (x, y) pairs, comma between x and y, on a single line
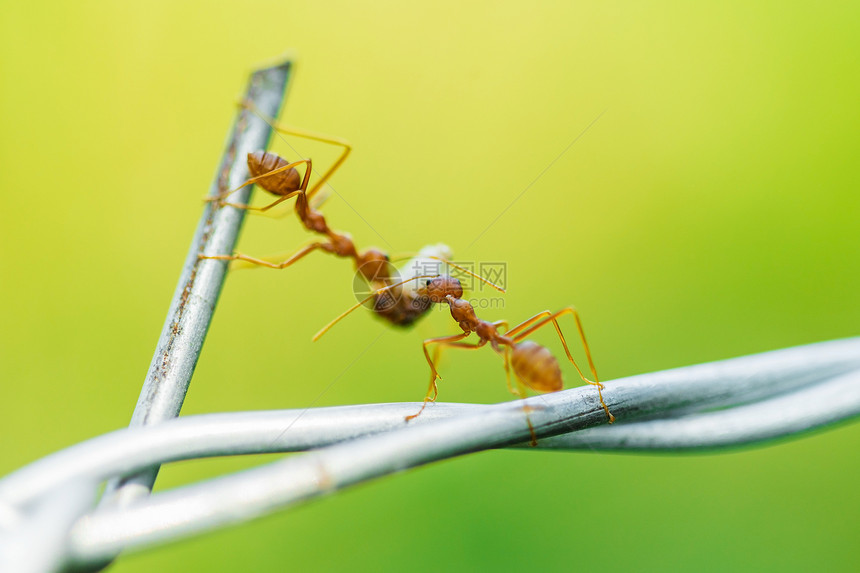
[(436, 289)]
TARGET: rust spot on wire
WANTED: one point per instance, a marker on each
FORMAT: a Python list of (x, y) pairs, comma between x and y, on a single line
[(223, 185)]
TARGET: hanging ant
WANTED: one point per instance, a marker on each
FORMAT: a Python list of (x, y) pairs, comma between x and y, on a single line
[(533, 365), (281, 178)]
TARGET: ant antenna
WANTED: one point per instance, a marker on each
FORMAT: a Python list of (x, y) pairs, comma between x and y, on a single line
[(468, 272), (404, 256)]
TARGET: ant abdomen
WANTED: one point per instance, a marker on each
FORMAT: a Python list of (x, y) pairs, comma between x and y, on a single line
[(403, 310), (283, 183), (536, 367)]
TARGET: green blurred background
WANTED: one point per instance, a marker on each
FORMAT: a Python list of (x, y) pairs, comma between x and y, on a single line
[(710, 212)]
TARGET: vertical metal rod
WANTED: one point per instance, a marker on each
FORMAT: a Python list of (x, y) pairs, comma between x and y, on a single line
[(201, 280)]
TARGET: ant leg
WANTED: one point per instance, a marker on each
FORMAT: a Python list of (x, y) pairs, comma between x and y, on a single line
[(553, 318), (433, 390), (307, 134), (508, 373), (253, 180), (273, 259), (282, 265), (247, 207), (372, 295), (308, 167), (520, 392), (466, 345), (526, 323), (468, 272), (345, 151), (548, 317)]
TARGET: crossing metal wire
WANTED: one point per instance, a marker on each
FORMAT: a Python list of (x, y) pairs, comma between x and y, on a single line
[(49, 519)]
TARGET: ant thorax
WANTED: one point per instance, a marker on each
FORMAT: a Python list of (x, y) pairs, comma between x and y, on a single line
[(463, 313), (488, 331)]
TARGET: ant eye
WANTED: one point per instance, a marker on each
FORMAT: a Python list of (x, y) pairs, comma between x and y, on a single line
[(428, 282)]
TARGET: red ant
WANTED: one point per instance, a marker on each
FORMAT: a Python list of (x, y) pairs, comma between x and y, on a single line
[(281, 178), (533, 365)]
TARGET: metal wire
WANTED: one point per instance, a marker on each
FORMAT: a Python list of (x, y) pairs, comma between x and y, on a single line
[(720, 404), (245, 495), (796, 390), (200, 283)]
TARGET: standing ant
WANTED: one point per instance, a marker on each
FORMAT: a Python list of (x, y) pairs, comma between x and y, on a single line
[(533, 365)]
